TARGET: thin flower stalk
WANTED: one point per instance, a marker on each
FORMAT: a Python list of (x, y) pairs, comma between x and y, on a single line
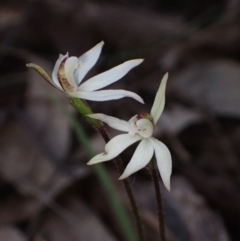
[(155, 178), (119, 165)]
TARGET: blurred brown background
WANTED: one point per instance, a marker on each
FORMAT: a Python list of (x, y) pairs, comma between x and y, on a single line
[(47, 193)]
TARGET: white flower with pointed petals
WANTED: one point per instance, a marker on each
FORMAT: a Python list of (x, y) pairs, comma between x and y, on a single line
[(69, 72), (139, 128)]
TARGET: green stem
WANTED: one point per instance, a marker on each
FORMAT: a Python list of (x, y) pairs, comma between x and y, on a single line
[(155, 178), (82, 107)]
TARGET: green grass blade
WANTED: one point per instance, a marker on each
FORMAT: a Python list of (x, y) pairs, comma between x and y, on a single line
[(102, 175)]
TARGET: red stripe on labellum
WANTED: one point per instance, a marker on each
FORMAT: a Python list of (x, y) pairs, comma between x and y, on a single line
[(62, 78)]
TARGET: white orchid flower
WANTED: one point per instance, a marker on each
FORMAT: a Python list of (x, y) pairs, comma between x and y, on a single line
[(69, 72), (139, 128)]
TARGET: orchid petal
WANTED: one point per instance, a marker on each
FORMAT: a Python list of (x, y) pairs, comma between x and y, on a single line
[(104, 95), (114, 147), (70, 67), (113, 122), (106, 78), (164, 161), (133, 128), (145, 127), (159, 101), (43, 73), (140, 158), (56, 68), (88, 60)]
